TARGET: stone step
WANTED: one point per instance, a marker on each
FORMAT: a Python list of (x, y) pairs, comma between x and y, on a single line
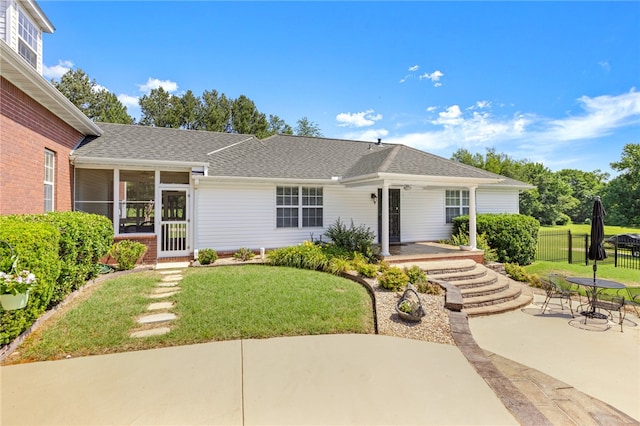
[(157, 306), (170, 271), (524, 299), (169, 278), (486, 280), (499, 285), (513, 292), (477, 272), (155, 318), (168, 284), (164, 295), (159, 331), (447, 266)]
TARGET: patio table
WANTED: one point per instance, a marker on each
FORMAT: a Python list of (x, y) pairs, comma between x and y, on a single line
[(594, 287)]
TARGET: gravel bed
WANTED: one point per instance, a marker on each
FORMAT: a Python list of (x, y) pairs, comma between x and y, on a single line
[(434, 326)]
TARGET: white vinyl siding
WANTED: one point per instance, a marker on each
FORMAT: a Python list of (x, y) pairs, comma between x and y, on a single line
[(231, 216), (497, 201), (234, 215)]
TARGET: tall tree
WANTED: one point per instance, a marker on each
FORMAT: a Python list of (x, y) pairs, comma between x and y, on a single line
[(584, 186), (94, 101), (216, 112), (246, 119), (305, 127), (621, 196), (191, 111), (161, 109), (278, 126)]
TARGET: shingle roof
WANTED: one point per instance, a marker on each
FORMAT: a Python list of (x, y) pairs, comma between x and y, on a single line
[(280, 156), (130, 142)]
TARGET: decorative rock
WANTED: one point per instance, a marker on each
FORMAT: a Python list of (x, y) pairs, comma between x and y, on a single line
[(151, 332), (159, 305), (148, 319)]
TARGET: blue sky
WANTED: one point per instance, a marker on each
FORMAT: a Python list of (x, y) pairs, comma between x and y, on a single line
[(551, 82)]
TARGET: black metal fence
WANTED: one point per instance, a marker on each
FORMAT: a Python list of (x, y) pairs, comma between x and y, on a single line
[(565, 246)]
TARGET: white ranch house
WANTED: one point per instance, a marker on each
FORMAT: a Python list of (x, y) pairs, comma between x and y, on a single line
[(179, 191)]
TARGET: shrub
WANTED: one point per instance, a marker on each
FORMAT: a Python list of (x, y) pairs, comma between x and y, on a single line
[(126, 253), (462, 239), (368, 270), (428, 288), (513, 236), (355, 238), (244, 254), (304, 256), (84, 239), (415, 274), (207, 256), (517, 272), (338, 265), (36, 245), (393, 279)]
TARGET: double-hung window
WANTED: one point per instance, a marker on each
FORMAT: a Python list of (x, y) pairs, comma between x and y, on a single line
[(49, 179), (456, 204), (296, 206), (28, 39)]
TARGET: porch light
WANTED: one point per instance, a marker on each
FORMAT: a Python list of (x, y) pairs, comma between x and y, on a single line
[(374, 197)]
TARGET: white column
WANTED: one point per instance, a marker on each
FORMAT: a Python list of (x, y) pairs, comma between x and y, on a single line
[(472, 217), (384, 238), (116, 201)]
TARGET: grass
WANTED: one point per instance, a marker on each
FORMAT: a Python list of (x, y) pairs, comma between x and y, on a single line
[(585, 229), (239, 302)]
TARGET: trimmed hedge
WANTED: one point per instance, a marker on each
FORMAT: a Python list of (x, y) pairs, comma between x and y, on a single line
[(36, 245), (513, 236), (62, 249)]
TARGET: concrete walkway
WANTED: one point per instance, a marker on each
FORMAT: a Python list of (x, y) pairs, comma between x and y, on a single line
[(309, 380), (602, 364)]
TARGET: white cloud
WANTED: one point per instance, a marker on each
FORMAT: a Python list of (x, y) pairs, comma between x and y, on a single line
[(432, 108), (414, 68), (154, 83), (605, 65), (367, 135), (526, 135), (358, 119), (57, 71), (128, 101), (434, 77), (602, 115)]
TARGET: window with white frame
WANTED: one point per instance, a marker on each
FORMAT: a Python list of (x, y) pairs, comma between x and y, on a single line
[(28, 39), (456, 204), (49, 179), (299, 205)]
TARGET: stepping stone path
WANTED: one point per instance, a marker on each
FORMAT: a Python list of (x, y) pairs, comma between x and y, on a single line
[(157, 321)]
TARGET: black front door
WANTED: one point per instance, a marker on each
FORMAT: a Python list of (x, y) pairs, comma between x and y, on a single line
[(394, 215)]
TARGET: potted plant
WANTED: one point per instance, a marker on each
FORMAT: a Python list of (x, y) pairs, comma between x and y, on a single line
[(14, 289)]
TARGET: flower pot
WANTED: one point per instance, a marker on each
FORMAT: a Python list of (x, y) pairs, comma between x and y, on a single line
[(11, 302), (465, 248)]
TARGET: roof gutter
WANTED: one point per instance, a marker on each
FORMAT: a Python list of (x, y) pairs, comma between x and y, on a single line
[(22, 75), (86, 162), (419, 179)]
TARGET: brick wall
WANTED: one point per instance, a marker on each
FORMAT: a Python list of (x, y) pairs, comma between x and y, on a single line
[(26, 130)]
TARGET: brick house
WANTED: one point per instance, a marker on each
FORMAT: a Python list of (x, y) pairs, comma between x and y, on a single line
[(39, 127)]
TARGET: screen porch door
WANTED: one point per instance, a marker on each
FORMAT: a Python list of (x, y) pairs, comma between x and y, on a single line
[(174, 223)]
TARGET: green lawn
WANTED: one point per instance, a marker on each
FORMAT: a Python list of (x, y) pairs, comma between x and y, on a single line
[(585, 229), (222, 303)]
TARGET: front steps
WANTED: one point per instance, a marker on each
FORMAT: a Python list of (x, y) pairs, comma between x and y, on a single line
[(484, 291)]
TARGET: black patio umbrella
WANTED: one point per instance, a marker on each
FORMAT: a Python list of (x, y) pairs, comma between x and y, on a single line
[(596, 249)]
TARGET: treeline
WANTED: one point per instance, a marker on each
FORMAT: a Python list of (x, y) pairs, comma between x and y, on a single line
[(211, 111), (566, 196)]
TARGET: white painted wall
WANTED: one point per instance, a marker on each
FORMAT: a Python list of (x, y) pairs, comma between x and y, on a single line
[(234, 215)]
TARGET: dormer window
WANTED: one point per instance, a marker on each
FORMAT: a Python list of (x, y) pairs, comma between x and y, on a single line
[(28, 39)]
